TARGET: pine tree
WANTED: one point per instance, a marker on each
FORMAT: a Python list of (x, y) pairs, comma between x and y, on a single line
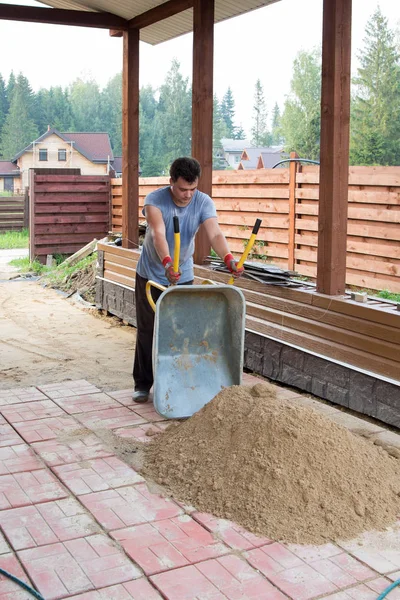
[(150, 144), (3, 102), (259, 131), (175, 115), (19, 128), (375, 123), (276, 134), (301, 118), (219, 132), (228, 112), (111, 112), (53, 110), (238, 133), (85, 105), (10, 89)]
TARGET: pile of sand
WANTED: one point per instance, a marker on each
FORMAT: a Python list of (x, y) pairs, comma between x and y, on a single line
[(279, 470)]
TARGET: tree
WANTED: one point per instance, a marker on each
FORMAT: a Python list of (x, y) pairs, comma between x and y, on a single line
[(301, 118), (259, 131), (19, 128), (219, 132), (175, 116), (10, 89), (86, 105), (276, 134), (53, 109), (3, 102), (150, 143), (111, 112), (375, 122), (238, 133), (227, 109)]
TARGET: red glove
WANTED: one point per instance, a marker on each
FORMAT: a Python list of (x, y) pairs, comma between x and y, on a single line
[(172, 276), (231, 264)]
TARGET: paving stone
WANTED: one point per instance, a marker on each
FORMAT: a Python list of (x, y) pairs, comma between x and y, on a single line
[(110, 418), (75, 566), (31, 526), (123, 396), (142, 433), (139, 589), (366, 591), (302, 582), (32, 410), (114, 508), (216, 579), (9, 590), (273, 558), (231, 534), (79, 387), (147, 411), (96, 475), (4, 547), (310, 553), (378, 550), (168, 544), (55, 452), (9, 437), (15, 459), (45, 429), (22, 489), (86, 403), (18, 395)]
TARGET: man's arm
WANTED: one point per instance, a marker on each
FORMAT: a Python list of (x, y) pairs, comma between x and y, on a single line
[(157, 231), (216, 237), (219, 244)]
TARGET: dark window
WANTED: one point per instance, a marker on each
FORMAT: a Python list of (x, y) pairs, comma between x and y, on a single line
[(8, 184), (42, 154), (62, 155)]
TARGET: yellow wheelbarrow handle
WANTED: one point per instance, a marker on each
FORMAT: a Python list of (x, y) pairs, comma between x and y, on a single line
[(249, 246), (149, 285)]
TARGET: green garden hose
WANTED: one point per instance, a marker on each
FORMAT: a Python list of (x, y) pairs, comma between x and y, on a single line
[(22, 584)]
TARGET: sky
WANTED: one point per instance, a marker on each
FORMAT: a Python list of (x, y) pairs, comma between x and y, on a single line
[(261, 45)]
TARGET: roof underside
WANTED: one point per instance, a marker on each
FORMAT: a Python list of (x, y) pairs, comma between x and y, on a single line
[(167, 29)]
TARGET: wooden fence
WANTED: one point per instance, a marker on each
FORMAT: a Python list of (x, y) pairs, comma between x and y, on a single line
[(14, 212), (287, 202), (67, 212)]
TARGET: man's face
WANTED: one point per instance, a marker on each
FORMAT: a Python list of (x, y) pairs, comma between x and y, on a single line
[(182, 191)]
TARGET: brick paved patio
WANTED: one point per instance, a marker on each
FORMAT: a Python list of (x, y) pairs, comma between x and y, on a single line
[(78, 522)]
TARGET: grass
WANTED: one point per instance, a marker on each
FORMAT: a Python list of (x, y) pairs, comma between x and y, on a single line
[(26, 266), (389, 295), (60, 276), (14, 239)]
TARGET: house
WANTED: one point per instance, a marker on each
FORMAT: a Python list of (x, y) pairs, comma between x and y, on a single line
[(232, 151), (10, 177), (90, 152), (260, 158)]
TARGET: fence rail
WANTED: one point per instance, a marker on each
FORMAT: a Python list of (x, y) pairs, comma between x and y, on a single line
[(373, 235), (13, 212)]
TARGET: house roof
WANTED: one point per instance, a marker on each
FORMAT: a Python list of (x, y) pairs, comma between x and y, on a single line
[(8, 169), (269, 159), (250, 156), (95, 146), (117, 164), (165, 29), (230, 145)]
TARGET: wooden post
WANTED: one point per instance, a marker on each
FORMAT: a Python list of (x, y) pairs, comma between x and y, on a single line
[(130, 139), (202, 105), (334, 169), (32, 248), (26, 208), (292, 209)]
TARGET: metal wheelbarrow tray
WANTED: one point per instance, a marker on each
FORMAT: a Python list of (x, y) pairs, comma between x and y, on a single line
[(197, 346)]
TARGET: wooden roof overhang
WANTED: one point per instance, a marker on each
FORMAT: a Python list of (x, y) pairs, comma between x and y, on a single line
[(156, 22)]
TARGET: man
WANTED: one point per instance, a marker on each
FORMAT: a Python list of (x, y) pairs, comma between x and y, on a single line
[(193, 208)]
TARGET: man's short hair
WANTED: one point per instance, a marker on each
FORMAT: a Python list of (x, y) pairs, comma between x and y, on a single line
[(186, 167)]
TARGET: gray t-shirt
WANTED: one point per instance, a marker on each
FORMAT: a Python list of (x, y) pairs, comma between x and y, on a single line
[(200, 208)]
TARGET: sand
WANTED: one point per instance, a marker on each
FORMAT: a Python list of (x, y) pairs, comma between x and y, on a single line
[(278, 469)]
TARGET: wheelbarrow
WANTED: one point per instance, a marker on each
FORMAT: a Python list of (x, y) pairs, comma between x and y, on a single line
[(198, 340)]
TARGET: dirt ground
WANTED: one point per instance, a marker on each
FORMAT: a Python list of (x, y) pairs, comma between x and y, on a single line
[(47, 338)]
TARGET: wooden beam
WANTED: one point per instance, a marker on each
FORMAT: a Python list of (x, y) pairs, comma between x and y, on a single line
[(293, 168), (202, 105), (334, 152), (159, 13), (60, 16), (130, 139)]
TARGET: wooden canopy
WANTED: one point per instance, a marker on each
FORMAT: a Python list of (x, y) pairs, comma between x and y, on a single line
[(156, 22)]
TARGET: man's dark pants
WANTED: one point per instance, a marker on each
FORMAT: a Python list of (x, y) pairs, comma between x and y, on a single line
[(143, 365)]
